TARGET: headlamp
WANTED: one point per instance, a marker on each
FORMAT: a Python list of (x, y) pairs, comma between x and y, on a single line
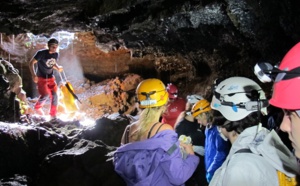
[(265, 72)]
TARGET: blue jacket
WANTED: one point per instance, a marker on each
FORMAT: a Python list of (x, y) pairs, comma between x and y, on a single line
[(155, 161), (216, 150)]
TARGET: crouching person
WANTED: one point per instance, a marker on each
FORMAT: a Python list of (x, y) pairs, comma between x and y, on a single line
[(18, 100)]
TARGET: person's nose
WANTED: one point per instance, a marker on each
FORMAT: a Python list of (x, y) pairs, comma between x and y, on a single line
[(285, 124)]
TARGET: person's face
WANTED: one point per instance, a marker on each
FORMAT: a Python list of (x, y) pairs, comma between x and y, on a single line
[(291, 124), (53, 48), (188, 106), (202, 119), (224, 132), (173, 95)]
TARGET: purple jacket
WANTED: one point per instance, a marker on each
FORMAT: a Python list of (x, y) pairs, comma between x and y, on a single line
[(155, 161)]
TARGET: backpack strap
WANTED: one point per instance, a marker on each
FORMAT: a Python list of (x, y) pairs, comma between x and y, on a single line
[(126, 137), (159, 128), (243, 151), (149, 133), (246, 150)]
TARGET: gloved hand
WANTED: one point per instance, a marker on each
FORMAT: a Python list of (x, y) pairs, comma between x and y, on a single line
[(199, 150), (208, 177)]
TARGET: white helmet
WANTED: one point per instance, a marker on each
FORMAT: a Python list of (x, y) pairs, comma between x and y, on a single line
[(192, 99), (237, 97)]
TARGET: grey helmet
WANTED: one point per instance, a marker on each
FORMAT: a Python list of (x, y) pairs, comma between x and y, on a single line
[(192, 99)]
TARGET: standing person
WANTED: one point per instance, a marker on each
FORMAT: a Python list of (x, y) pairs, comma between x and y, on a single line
[(46, 61), (189, 127), (286, 95), (257, 156), (216, 148), (150, 151), (175, 105)]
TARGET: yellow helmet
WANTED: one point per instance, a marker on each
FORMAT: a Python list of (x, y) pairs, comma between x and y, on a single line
[(200, 107), (152, 93)]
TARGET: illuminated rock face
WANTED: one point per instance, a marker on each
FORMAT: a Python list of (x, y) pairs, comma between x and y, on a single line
[(189, 43)]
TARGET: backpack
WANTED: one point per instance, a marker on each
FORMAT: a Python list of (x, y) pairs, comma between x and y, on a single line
[(283, 179)]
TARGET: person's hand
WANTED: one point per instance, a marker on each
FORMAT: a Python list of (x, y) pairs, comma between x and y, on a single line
[(188, 148), (35, 78), (60, 68)]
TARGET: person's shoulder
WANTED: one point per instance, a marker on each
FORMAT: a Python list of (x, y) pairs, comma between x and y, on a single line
[(238, 163), (254, 161), (166, 126), (238, 169), (133, 125), (42, 50), (179, 101), (182, 101)]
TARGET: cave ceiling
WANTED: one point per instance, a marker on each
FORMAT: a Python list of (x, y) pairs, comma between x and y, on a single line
[(176, 40)]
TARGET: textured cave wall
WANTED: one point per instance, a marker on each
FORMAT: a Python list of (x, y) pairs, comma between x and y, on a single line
[(187, 42)]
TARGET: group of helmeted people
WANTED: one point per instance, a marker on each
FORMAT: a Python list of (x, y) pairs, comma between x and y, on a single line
[(236, 148)]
